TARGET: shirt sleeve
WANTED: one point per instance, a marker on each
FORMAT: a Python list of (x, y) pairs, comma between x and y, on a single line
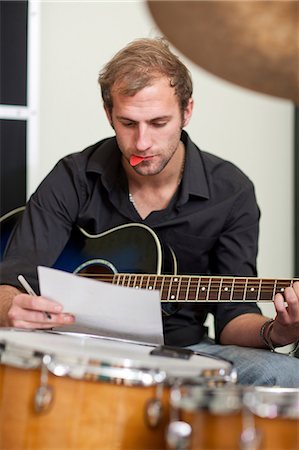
[(45, 225), (236, 252)]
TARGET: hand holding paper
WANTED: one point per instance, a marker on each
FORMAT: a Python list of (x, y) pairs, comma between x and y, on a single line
[(103, 308)]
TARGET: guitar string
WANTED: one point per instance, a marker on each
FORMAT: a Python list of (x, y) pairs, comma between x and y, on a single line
[(191, 289)]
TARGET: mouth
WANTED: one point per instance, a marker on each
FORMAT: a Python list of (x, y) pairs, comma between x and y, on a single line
[(134, 159)]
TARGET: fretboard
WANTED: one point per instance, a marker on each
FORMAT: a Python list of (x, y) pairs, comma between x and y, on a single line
[(182, 288)]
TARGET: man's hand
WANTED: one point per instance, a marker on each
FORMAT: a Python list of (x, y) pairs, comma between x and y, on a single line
[(27, 311), (286, 325)]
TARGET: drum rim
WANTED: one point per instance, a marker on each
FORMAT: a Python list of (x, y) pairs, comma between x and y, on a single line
[(104, 370), (263, 401)]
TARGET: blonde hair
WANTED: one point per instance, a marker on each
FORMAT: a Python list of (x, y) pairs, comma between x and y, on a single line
[(138, 65)]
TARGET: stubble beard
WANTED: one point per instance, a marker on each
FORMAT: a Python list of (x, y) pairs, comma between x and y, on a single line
[(140, 168)]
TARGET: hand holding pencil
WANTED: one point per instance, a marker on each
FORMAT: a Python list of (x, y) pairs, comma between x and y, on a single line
[(32, 311)]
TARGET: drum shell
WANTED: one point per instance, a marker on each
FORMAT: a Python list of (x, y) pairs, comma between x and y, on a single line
[(222, 429), (83, 415), (101, 390), (212, 432)]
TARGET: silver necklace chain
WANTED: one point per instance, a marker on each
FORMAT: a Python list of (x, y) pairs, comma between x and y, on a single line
[(131, 198)]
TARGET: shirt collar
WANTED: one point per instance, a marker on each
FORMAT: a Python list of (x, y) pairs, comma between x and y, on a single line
[(194, 181), (106, 161)]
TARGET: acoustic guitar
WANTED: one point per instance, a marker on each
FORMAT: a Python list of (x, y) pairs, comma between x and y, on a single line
[(131, 255)]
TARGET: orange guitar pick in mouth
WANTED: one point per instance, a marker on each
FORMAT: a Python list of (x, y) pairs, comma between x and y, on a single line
[(134, 160)]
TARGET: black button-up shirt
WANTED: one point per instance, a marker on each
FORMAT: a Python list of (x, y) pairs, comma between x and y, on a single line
[(211, 225)]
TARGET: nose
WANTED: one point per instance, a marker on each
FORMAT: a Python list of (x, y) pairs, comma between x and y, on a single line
[(143, 138)]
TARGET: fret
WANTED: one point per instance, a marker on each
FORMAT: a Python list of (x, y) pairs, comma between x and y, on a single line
[(147, 285), (183, 295), (209, 288), (188, 290), (179, 288), (176, 289), (124, 283), (172, 291), (252, 289), (267, 289), (219, 290), (143, 282), (129, 282), (151, 282), (155, 282), (137, 281), (115, 279), (202, 289), (214, 287), (274, 290), (165, 289), (245, 289), (226, 289), (197, 288), (193, 288), (170, 280), (162, 279), (134, 281), (232, 290), (238, 290), (282, 284), (158, 283), (259, 290)]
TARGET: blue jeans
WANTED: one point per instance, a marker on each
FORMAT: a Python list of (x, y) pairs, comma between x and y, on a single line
[(256, 367)]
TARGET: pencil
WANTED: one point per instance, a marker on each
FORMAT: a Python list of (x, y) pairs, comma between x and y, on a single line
[(30, 291)]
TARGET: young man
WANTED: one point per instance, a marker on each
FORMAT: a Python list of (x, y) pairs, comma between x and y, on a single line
[(200, 206)]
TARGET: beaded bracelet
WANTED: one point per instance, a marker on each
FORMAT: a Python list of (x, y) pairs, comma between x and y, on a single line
[(265, 332), (268, 337)]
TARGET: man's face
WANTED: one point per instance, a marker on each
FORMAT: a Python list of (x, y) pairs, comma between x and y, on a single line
[(149, 125)]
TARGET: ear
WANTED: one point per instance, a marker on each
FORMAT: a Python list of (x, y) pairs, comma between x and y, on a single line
[(188, 112)]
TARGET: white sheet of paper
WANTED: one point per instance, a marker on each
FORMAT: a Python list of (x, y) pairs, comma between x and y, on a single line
[(103, 308)]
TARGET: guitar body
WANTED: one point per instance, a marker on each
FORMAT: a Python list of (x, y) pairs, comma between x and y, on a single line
[(129, 248)]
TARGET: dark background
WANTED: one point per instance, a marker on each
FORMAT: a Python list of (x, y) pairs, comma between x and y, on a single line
[(13, 91)]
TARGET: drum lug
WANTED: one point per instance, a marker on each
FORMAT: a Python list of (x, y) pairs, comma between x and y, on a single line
[(178, 435), (154, 408), (251, 437), (153, 412), (44, 394)]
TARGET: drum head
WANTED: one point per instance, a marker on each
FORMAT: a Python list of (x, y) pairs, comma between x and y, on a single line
[(80, 356), (273, 402)]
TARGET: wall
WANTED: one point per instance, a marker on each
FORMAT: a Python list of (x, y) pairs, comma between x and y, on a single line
[(253, 130)]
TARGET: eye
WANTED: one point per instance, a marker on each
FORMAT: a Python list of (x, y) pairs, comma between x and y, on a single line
[(127, 124), (159, 124)]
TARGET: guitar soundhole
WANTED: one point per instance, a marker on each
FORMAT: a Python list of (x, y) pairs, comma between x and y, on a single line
[(95, 267), (94, 270)]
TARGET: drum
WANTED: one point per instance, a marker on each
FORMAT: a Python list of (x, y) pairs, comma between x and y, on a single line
[(65, 391), (276, 412), (233, 417)]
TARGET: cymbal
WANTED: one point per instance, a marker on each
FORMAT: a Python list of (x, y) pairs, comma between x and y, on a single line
[(254, 44)]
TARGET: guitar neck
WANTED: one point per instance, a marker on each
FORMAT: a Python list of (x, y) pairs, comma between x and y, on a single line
[(181, 288)]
